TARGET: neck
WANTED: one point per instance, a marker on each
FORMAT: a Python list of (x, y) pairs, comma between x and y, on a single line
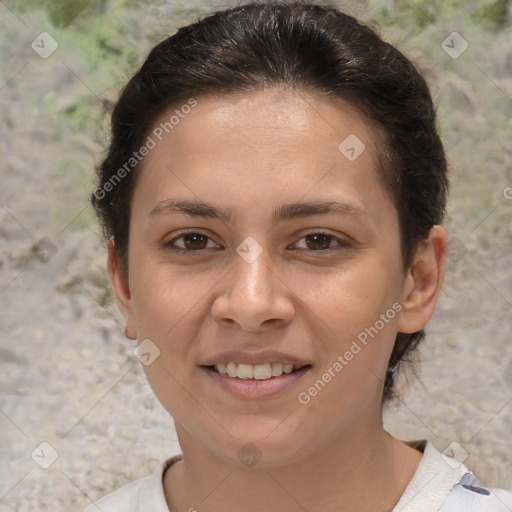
[(367, 470)]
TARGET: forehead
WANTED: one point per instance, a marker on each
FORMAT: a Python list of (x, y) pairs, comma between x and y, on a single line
[(266, 118), (262, 146)]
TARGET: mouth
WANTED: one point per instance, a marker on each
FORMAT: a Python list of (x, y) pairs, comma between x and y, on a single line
[(255, 375), (265, 371)]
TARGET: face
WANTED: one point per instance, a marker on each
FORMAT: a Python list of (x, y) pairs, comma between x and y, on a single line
[(263, 244)]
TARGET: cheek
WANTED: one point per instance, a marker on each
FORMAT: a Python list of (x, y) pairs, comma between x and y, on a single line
[(167, 310), (348, 382), (350, 298), (165, 301), (356, 310)]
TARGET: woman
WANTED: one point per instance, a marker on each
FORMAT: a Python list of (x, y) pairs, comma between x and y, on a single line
[(273, 197)]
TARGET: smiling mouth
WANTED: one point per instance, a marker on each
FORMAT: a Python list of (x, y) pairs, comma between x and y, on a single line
[(255, 371)]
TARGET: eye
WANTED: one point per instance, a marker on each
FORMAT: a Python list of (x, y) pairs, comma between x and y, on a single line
[(193, 241), (322, 241)]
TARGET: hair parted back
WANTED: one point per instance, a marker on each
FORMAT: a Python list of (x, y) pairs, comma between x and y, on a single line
[(300, 46)]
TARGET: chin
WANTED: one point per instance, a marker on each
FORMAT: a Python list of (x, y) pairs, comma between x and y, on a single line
[(262, 451)]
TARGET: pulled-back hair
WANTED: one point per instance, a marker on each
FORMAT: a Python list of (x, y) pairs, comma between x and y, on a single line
[(303, 47)]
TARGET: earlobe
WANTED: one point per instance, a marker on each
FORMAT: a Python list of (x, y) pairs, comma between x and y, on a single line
[(423, 282), (121, 289)]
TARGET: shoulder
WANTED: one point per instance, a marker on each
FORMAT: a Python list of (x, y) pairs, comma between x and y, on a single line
[(469, 495), (138, 496)]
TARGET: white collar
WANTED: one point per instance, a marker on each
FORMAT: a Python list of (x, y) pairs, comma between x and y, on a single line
[(433, 480)]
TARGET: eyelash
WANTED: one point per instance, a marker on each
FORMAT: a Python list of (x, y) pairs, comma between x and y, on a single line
[(169, 245)]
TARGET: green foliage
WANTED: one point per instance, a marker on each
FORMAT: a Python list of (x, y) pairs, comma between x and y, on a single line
[(415, 16), (408, 15), (63, 13), (494, 14), (99, 32)]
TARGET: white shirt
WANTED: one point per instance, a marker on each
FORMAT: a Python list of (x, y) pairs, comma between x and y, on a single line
[(440, 484)]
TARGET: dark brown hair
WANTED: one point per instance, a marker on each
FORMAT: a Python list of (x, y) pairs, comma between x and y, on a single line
[(301, 46)]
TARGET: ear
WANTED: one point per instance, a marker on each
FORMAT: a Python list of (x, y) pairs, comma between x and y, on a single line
[(423, 282), (121, 289)]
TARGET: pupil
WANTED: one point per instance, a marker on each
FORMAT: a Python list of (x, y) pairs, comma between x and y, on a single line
[(316, 237), (194, 237)]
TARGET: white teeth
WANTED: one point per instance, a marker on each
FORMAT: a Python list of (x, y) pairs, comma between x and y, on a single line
[(277, 369), (245, 371), (255, 371), (262, 371), (221, 368), (231, 369)]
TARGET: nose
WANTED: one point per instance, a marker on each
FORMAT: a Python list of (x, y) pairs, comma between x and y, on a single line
[(254, 297)]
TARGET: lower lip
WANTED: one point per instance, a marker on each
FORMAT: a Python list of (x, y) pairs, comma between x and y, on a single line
[(254, 388)]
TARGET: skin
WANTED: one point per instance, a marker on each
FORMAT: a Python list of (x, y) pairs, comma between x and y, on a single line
[(252, 153)]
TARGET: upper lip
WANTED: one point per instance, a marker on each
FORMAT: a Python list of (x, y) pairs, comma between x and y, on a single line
[(261, 357)]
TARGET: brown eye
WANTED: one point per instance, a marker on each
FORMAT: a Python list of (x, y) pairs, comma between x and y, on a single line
[(189, 242), (322, 242), (194, 241), (318, 241)]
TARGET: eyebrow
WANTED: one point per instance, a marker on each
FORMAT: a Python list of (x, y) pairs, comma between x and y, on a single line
[(199, 208)]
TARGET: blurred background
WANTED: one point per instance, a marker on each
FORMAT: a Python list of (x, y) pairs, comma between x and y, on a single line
[(77, 417)]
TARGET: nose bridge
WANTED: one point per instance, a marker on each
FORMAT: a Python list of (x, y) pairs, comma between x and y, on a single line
[(254, 274), (254, 293)]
